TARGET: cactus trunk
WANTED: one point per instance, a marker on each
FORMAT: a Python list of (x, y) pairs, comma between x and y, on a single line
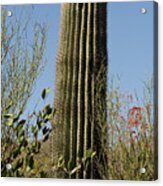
[(80, 99)]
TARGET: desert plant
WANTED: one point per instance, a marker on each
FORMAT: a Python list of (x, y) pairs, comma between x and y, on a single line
[(80, 98), (22, 61), (19, 151), (131, 134), (69, 170)]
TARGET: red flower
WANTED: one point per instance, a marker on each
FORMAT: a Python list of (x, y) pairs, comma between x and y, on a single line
[(135, 116)]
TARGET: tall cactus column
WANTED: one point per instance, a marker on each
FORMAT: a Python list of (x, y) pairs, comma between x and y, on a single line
[(80, 98)]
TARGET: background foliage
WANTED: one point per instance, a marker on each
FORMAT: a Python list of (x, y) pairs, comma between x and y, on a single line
[(131, 134), (22, 61)]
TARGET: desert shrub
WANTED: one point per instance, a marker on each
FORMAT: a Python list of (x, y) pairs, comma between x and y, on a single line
[(23, 60), (19, 151), (131, 134)]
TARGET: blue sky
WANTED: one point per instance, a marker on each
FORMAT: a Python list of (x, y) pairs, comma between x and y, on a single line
[(130, 44)]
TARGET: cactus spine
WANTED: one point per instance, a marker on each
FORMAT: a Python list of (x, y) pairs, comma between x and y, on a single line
[(80, 99)]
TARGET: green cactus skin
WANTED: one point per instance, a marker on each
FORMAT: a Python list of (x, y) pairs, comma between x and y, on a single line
[(81, 83)]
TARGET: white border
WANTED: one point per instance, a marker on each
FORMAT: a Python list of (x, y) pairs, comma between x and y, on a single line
[(59, 1), (54, 182)]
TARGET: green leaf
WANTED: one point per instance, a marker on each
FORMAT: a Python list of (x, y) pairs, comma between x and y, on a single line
[(47, 113), (19, 129), (30, 161), (45, 92), (22, 122), (45, 137), (87, 164), (10, 122), (88, 153), (21, 136), (7, 116), (39, 123), (48, 109), (15, 119), (22, 148), (45, 130), (60, 161), (20, 112), (60, 158), (69, 166), (9, 105), (93, 154), (34, 130), (28, 169), (38, 147), (75, 169), (34, 144)]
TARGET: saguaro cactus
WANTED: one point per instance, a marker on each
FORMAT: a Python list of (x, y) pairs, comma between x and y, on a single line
[(80, 98)]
